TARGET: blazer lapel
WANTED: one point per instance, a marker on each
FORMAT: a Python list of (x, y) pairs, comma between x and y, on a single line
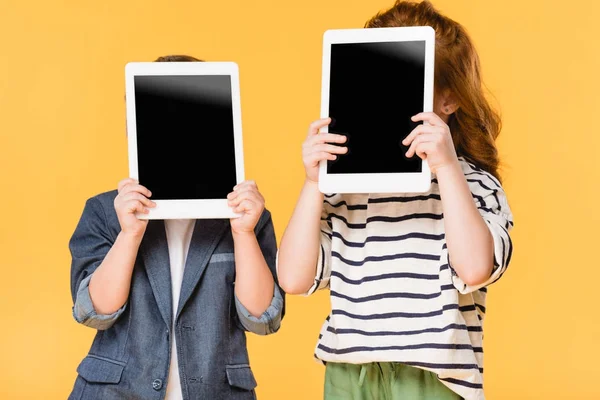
[(155, 255), (207, 234)]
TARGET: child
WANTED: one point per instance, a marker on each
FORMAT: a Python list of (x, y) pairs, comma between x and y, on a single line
[(408, 273), (171, 299)]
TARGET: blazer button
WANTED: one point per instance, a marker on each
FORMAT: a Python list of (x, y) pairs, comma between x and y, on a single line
[(157, 384)]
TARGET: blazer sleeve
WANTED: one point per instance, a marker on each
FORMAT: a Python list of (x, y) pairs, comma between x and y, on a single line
[(270, 321), (89, 244)]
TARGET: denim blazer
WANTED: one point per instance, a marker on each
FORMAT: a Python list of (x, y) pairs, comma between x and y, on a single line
[(130, 355)]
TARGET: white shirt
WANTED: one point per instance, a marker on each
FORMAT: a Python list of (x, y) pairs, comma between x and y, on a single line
[(394, 295), (179, 235)]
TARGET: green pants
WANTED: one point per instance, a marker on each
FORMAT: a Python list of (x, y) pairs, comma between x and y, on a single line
[(383, 381)]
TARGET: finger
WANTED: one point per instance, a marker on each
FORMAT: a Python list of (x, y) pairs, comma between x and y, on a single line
[(241, 184), (244, 206), (237, 192), (315, 158), (136, 188), (124, 182), (140, 197), (257, 192), (424, 149), (242, 189), (136, 206), (314, 127), (430, 117), (421, 129), (246, 194), (254, 196), (329, 138), (329, 148), (425, 137), (245, 183)]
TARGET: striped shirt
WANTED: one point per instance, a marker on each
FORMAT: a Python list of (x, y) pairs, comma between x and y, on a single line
[(394, 294)]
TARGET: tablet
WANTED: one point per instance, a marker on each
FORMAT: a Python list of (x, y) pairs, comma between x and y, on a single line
[(185, 136), (373, 81)]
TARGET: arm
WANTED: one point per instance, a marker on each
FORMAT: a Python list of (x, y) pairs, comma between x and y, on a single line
[(493, 209), (302, 243), (270, 319), (258, 300), (102, 268), (110, 282), (254, 284), (471, 239)]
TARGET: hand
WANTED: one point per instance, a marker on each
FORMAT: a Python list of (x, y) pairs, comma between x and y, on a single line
[(316, 148), (132, 198), (431, 142), (247, 200)]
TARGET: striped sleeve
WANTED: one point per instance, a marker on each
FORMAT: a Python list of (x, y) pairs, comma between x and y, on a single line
[(492, 204), (323, 270)]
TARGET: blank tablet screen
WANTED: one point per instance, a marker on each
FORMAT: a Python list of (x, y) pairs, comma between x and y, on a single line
[(185, 138), (374, 90)]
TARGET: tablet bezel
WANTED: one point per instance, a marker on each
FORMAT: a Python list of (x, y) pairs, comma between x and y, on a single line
[(185, 208), (413, 182)]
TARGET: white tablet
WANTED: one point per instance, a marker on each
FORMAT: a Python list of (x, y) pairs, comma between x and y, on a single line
[(373, 81), (185, 136)]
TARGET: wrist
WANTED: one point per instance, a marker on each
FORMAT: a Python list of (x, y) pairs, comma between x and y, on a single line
[(308, 181), (131, 237), (311, 185), (242, 234), (450, 169)]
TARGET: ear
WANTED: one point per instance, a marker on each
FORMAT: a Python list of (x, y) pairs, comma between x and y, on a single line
[(446, 103)]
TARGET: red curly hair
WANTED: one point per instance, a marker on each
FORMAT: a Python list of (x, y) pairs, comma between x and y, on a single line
[(475, 125)]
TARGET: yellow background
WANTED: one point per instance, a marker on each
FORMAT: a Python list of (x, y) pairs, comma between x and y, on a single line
[(62, 140)]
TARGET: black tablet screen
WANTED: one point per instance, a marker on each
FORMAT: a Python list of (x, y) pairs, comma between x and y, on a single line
[(374, 90), (185, 138)]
